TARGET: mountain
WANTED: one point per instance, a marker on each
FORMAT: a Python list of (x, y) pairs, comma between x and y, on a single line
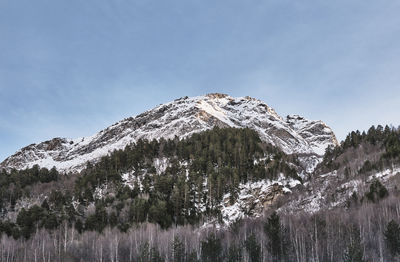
[(183, 117), (229, 166)]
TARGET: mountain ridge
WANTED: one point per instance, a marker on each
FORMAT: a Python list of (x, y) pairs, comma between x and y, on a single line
[(183, 117)]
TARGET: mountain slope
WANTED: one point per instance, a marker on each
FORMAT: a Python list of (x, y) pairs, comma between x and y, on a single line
[(349, 174), (182, 117)]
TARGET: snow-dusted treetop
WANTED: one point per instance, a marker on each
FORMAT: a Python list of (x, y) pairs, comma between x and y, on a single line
[(181, 117)]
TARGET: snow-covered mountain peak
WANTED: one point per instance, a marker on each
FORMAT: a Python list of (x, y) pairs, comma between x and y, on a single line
[(318, 135), (181, 117)]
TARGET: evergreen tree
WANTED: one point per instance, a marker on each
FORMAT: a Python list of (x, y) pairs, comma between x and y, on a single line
[(144, 253), (192, 257), (392, 237), (155, 255), (253, 248), (211, 249), (79, 226), (158, 213), (234, 254), (354, 251), (275, 233), (178, 250), (377, 191)]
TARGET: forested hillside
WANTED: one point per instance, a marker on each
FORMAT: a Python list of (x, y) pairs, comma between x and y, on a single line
[(168, 200), (200, 171), (384, 142)]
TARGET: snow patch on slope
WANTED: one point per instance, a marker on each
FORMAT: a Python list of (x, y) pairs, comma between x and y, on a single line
[(385, 175), (253, 197), (330, 190), (182, 118)]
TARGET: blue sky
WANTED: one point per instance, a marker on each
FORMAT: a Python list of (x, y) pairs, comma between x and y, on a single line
[(71, 68)]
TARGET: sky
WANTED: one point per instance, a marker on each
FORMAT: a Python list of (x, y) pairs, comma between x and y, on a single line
[(71, 68)]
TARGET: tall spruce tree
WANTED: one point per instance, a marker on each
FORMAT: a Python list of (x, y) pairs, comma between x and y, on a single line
[(253, 248), (155, 255), (392, 237), (275, 232), (144, 253), (211, 249), (354, 251), (178, 250), (234, 254)]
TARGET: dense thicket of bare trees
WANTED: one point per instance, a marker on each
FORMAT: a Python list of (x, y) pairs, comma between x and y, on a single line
[(363, 233)]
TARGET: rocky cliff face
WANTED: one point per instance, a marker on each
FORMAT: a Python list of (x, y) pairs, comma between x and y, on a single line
[(183, 117)]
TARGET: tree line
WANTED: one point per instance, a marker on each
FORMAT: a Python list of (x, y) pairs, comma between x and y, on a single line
[(367, 233), (202, 169)]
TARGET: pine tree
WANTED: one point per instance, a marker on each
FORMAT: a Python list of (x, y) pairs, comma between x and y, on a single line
[(392, 237), (178, 250), (253, 248), (155, 255), (377, 191), (144, 253), (275, 233), (177, 202), (234, 254), (211, 249), (354, 252), (192, 257)]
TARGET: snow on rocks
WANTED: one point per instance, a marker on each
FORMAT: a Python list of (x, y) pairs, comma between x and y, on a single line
[(331, 190), (182, 118), (385, 175), (253, 197)]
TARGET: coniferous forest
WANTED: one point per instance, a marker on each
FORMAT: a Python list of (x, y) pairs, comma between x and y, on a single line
[(174, 214)]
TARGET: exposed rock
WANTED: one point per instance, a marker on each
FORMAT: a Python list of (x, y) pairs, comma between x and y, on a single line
[(182, 118)]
